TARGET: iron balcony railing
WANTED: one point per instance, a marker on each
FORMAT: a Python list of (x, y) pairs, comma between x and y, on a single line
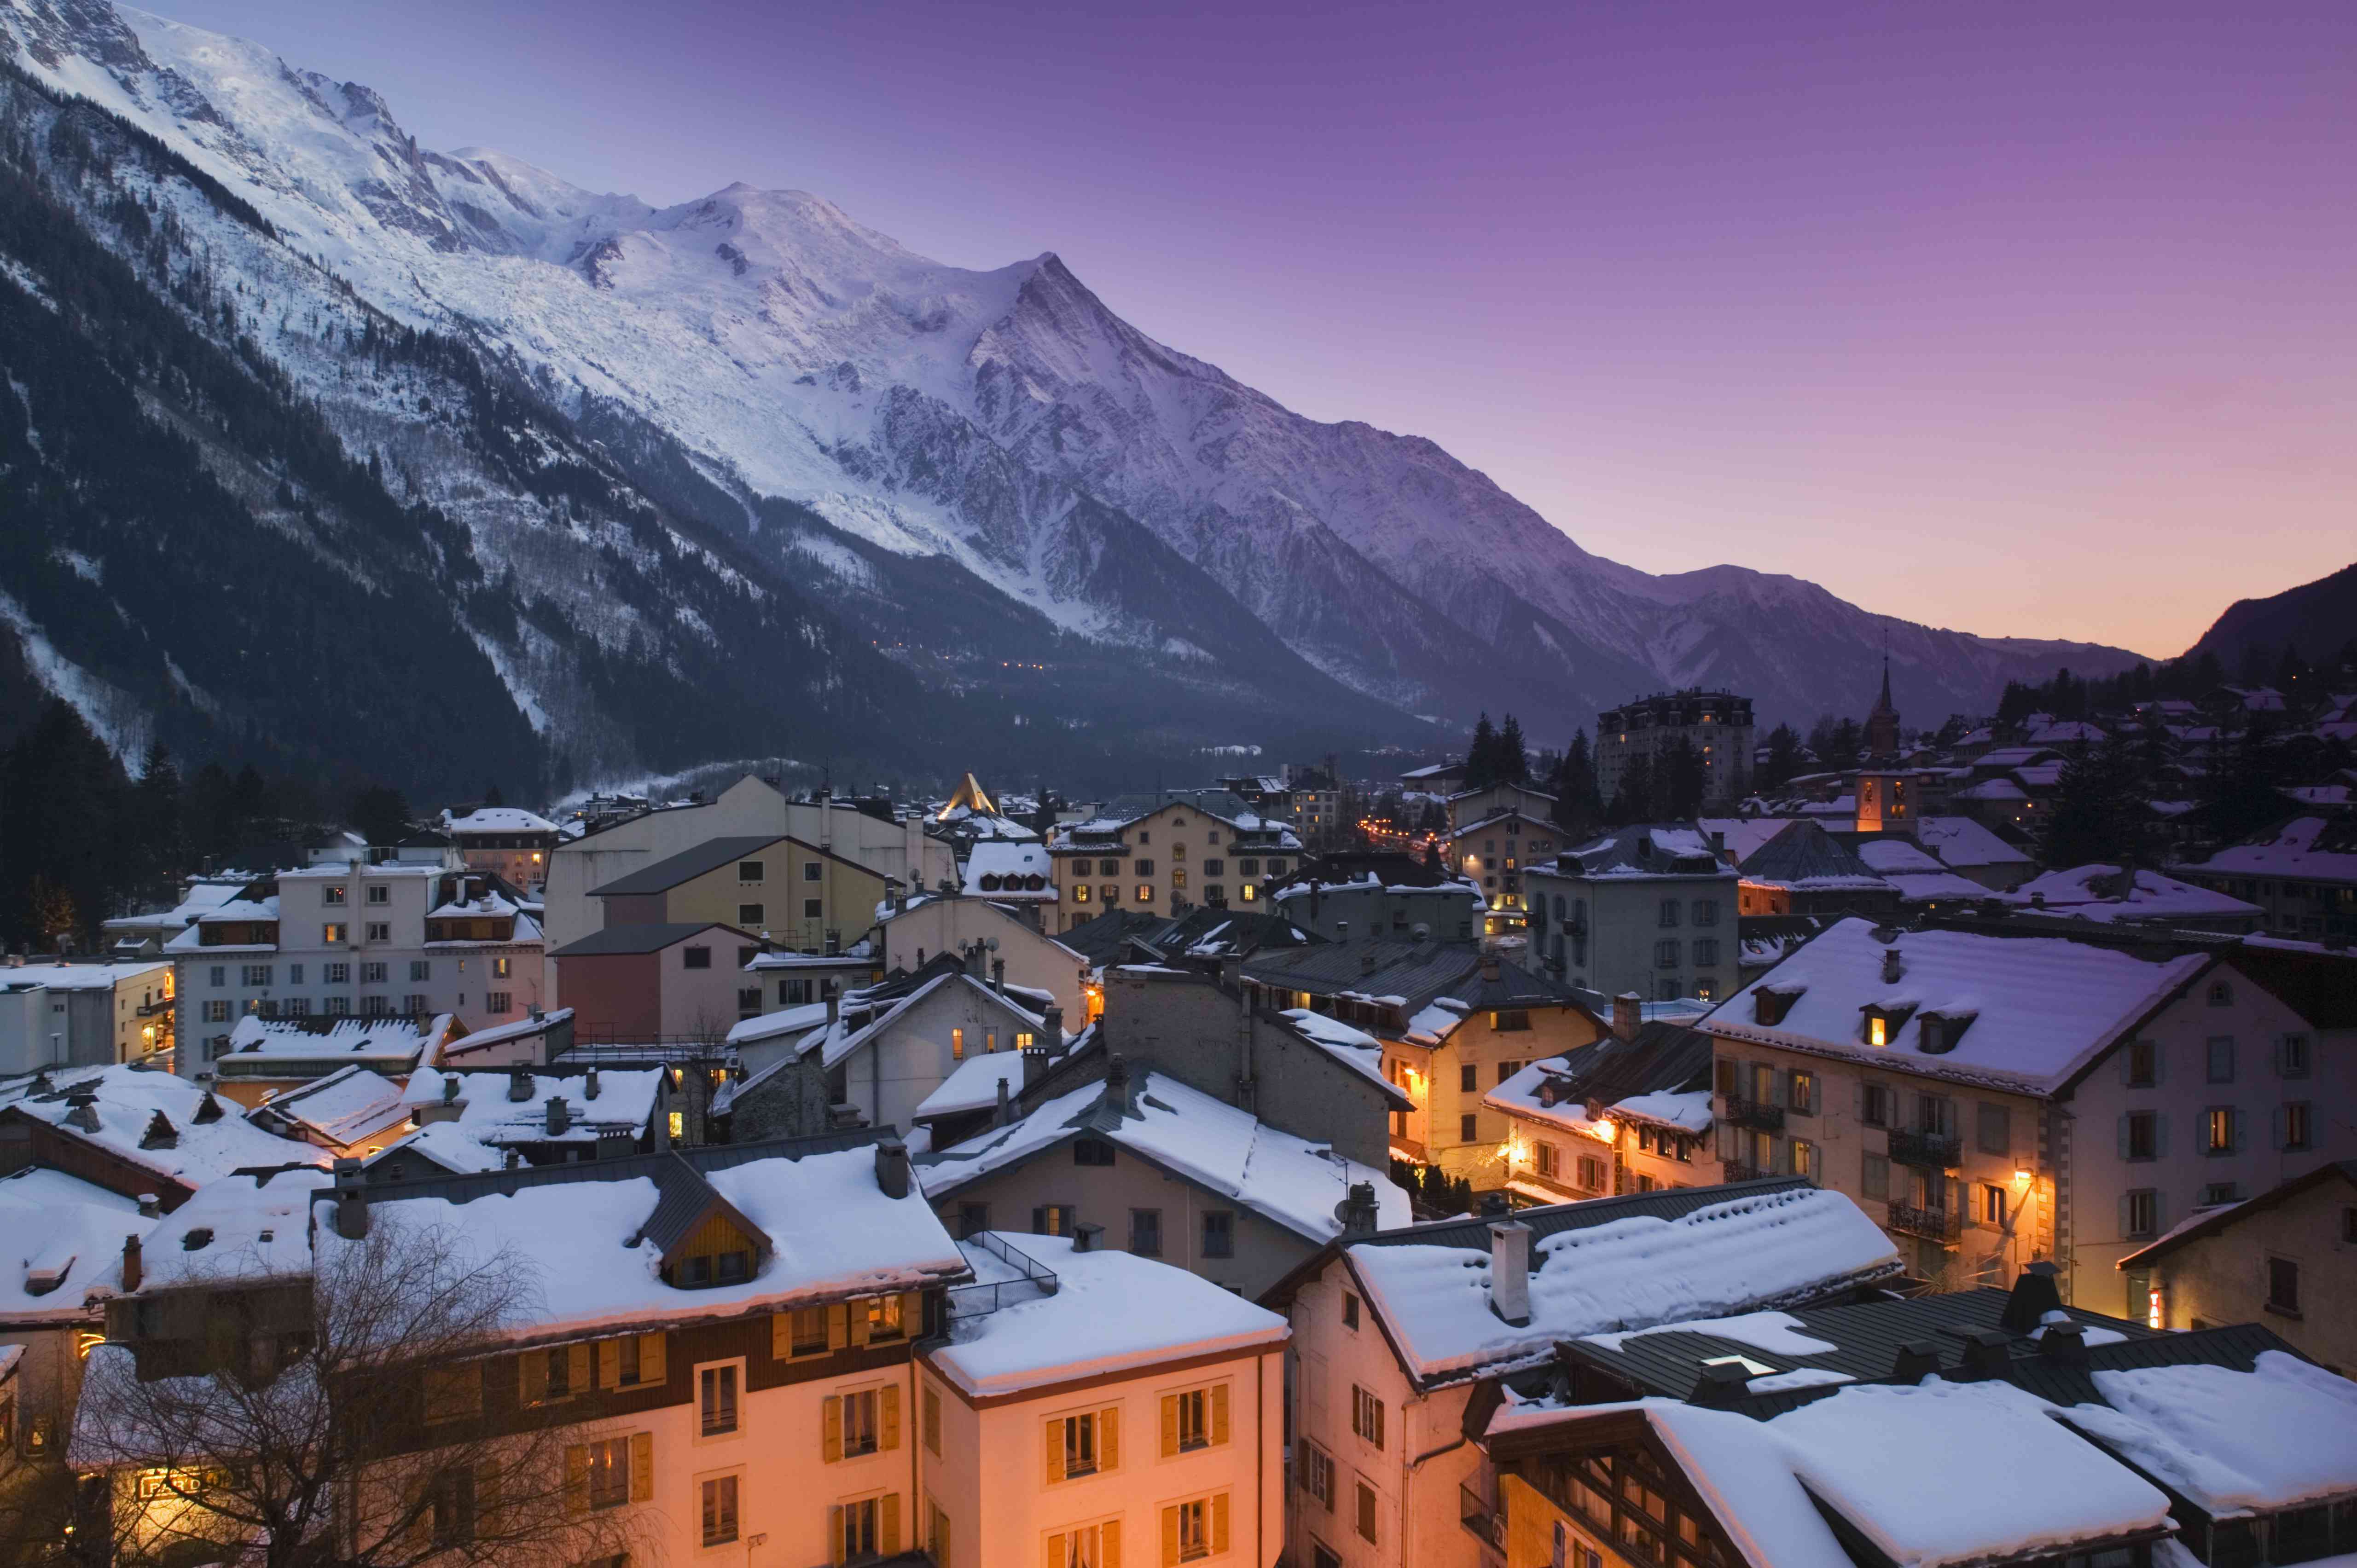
[(1933, 1224), (1754, 1113), (1477, 1514), (1931, 1151), (989, 1295), (1735, 1170)]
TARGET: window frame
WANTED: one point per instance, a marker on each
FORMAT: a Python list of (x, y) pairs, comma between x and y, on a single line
[(712, 1378)]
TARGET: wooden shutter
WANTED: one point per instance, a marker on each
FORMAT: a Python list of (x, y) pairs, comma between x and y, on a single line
[(642, 1466), (1109, 1438), (576, 1368), (913, 1314), (1170, 1537), (1375, 1419), (610, 1363), (576, 1477), (782, 1334), (1219, 1399), (651, 1370), (838, 1326), (830, 1433), (941, 1542), (1219, 1523), (887, 1526), (1109, 1544), (531, 1376), (888, 1419), (1059, 1552), (835, 1523), (934, 1419), (1169, 1425), (1055, 1431), (857, 1312)]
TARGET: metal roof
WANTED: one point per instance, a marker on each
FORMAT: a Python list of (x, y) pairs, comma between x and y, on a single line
[(688, 864), (1416, 970), (652, 937), (1803, 852)]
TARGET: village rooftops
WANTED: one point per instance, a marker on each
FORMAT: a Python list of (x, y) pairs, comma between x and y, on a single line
[(1106, 834), (2307, 849), (797, 1021), (1290, 1180), (999, 868), (1611, 1263), (65, 1241), (972, 1085), (2024, 1013), (454, 1052), (1674, 849), (710, 855), (280, 1047), (1809, 858), (348, 1104), (1661, 1076), (1961, 842), (820, 1213), (862, 1014), (646, 937), (1111, 1314), (601, 1102), (69, 976), (1408, 976), (447, 1144), (245, 1229), (2100, 893), (499, 820), (158, 1122)]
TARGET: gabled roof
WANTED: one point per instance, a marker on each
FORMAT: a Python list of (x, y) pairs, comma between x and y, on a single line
[(2227, 1216), (650, 936), (685, 1200), (1805, 856), (711, 856), (1644, 849), (1411, 976), (347, 1104)]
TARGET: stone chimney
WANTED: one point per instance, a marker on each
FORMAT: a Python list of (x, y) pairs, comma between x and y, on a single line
[(998, 975), (1051, 1028), (1003, 1114), (1627, 1015), (589, 1090), (351, 1201), (1342, 930), (1510, 1271), (83, 1112), (1358, 1212), (131, 1265), (1035, 1063), (1367, 961), (519, 1083), (1117, 1075), (1490, 966), (1892, 970), (560, 1115), (892, 1167)]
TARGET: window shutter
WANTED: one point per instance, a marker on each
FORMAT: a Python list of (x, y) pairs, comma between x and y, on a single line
[(532, 1369), (2279, 1134), (2161, 1135), (888, 1524), (838, 1326), (576, 1477), (941, 1537), (857, 1314), (2125, 1223), (1038, 1222), (887, 1418), (2241, 1130), (2123, 1137), (576, 1368), (642, 1466), (782, 1334), (933, 1419), (1108, 1544), (652, 1368), (1169, 1425), (835, 1527), (831, 1431), (2159, 1064), (1171, 1538), (1054, 1431), (1109, 1438), (489, 1523), (1219, 1523), (1219, 1413), (1057, 1555), (913, 1314), (610, 1363)]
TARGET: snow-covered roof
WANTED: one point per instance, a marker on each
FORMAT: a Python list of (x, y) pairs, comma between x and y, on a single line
[(203, 894), (1689, 1111), (1617, 1264), (2068, 732), (497, 820), (1112, 1314), (195, 1152), (393, 1041), (64, 1240), (2282, 1434), (1355, 1048), (1290, 1180), (799, 1019), (834, 1233), (2093, 893), (625, 1103), (1742, 835), (242, 1229), (1886, 856), (1961, 840), (347, 1104), (862, 1015), (1436, 1019), (996, 868), (1992, 789), (448, 1144), (2039, 1007), (501, 1034), (972, 1085), (1668, 850), (2290, 849), (1932, 886), (77, 976)]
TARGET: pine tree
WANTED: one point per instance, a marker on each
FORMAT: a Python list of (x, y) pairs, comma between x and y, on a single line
[(2099, 816), (1514, 757), (2240, 795), (1680, 781), (1578, 807), (1783, 757), (1634, 801), (1481, 756), (380, 814)]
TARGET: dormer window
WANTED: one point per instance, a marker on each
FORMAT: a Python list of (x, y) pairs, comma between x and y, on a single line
[(1883, 1024), (1941, 1031), (1768, 1008)]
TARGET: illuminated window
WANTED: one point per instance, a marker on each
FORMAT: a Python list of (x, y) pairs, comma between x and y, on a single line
[(1877, 1031), (1144, 894), (957, 1044), (678, 1125)]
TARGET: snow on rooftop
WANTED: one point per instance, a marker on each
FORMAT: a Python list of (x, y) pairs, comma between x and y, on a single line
[(388, 1037), (77, 976), (238, 1229), (1354, 1048), (64, 1240), (2093, 892), (1777, 1333), (499, 820), (1010, 868), (1689, 1113), (1113, 1313), (1433, 1021), (351, 1102), (2282, 1434), (196, 1152), (2039, 1007), (1961, 840), (972, 1085), (1285, 1178), (1631, 1272), (499, 1034), (797, 1020), (625, 1103), (1897, 855), (2289, 851), (448, 1144), (1678, 840)]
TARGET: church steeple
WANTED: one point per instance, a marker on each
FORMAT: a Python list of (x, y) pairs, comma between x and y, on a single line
[(1882, 724)]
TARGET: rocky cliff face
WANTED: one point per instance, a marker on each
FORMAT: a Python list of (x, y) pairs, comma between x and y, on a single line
[(917, 480)]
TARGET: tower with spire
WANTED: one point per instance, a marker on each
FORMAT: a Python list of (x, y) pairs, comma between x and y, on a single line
[(1882, 724)]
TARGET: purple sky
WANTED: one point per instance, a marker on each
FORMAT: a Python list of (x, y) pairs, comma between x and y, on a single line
[(1995, 317)]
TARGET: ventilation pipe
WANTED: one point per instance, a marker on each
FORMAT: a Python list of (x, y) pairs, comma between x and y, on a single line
[(892, 1167)]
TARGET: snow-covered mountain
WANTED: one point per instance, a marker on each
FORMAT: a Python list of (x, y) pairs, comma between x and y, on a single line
[(986, 477)]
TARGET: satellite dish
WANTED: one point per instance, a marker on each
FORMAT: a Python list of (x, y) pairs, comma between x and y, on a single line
[(991, 944)]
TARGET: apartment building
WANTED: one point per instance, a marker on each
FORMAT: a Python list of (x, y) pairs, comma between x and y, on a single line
[(1630, 1113), (63, 1013), (794, 894), (353, 940), (1717, 725), (1492, 850), (2286, 1257), (1994, 1100), (1648, 908), (1394, 1335), (506, 840), (2302, 872), (1092, 1407), (1166, 860)]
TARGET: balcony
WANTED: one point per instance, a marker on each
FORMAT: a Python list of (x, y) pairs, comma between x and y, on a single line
[(1479, 1514), (1754, 1113), (1931, 1151), (1733, 1170), (1933, 1224)]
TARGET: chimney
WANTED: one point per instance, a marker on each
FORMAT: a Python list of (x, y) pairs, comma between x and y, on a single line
[(536, 1013), (1721, 1387), (1342, 930), (519, 1083), (84, 1110), (351, 1201), (998, 975), (1367, 961), (1917, 1360), (2037, 898), (150, 1206), (834, 1005), (590, 1089), (892, 1167), (560, 1115), (1358, 1212), (1051, 1028), (1085, 1236), (1035, 1063), (1117, 1075), (1627, 1015), (2034, 1296), (449, 1088), (1002, 1116), (1510, 1271), (1490, 966), (131, 1270), (1892, 970), (1989, 1353), (2065, 1343)]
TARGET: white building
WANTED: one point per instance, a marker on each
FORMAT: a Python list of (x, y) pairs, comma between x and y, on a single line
[(82, 1014), (1648, 908)]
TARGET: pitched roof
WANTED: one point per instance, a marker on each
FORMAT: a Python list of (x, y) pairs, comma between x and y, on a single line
[(1806, 855), (668, 873), (650, 936), (1644, 849), (2227, 1216), (1413, 974), (349, 1103)]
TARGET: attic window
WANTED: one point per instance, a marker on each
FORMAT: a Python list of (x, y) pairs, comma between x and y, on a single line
[(1751, 1368), (1768, 1008), (1883, 1024), (1091, 1152), (1941, 1031), (197, 1237)]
